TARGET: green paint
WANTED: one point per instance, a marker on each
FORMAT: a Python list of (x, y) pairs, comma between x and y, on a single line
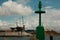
[(40, 33), (40, 29)]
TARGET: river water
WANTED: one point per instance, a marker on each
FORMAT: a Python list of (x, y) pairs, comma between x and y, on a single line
[(28, 38), (14, 38), (54, 37)]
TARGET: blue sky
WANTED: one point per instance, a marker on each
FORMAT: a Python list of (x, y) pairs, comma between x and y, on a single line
[(53, 3), (12, 11), (31, 3)]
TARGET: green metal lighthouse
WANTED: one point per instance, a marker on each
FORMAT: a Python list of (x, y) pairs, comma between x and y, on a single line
[(40, 29)]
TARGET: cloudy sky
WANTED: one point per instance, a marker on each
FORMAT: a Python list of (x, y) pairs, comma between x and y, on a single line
[(11, 11)]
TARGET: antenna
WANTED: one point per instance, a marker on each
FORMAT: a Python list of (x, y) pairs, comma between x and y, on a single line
[(17, 24), (22, 21)]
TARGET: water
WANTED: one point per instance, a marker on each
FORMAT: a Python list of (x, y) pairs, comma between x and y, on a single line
[(15, 38), (54, 37), (28, 38)]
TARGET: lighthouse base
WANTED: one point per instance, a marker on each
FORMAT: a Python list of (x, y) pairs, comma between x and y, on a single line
[(40, 33)]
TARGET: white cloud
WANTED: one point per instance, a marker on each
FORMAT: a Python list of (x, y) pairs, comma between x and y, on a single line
[(3, 24), (6, 25), (51, 19), (2, 11), (10, 7), (30, 22)]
